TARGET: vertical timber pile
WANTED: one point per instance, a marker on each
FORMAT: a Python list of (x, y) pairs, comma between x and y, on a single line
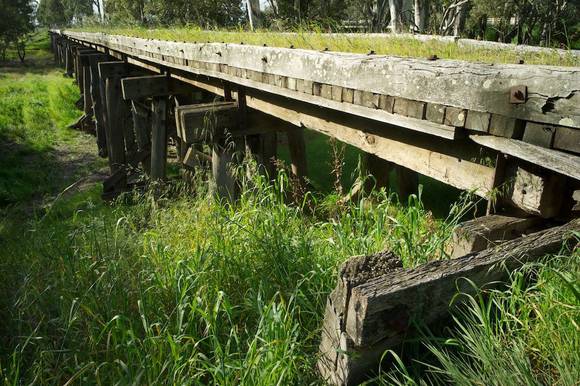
[(158, 88), (158, 138), (110, 74), (142, 127), (98, 105), (297, 148)]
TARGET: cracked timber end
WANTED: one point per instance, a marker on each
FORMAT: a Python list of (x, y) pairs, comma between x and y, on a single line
[(376, 301), (341, 362)]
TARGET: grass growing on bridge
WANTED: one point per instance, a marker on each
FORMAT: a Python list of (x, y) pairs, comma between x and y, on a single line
[(394, 45), (190, 290)]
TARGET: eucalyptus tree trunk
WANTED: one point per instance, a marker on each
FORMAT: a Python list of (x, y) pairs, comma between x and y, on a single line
[(458, 19), (394, 11), (419, 13)]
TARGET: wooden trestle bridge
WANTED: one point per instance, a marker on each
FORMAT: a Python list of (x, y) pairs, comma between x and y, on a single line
[(470, 125)]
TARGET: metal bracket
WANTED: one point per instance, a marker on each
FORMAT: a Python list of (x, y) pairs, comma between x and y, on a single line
[(518, 94)]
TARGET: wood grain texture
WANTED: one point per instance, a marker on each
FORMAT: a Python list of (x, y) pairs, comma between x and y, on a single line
[(375, 306), (559, 162), (553, 92)]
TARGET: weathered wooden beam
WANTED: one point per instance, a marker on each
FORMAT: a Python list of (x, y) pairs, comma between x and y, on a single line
[(197, 123), (69, 61), (98, 103), (109, 75), (158, 138), (567, 139), (488, 231), (87, 97), (376, 305), (559, 162), (534, 190), (297, 148), (552, 96), (140, 87), (142, 127)]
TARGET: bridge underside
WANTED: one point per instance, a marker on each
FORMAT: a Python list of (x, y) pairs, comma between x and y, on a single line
[(515, 138)]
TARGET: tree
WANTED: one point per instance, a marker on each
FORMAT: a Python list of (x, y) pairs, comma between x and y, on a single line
[(50, 13), (57, 13), (15, 25)]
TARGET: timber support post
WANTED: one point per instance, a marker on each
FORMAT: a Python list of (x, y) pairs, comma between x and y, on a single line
[(158, 138), (98, 103), (151, 141), (110, 74), (297, 148), (379, 169)]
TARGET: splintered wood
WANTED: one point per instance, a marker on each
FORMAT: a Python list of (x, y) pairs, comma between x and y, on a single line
[(376, 303)]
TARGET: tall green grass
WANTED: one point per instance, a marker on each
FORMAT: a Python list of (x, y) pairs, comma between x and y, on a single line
[(35, 109), (186, 290), (364, 44), (526, 333)]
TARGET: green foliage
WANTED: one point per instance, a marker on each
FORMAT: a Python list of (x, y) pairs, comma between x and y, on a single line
[(58, 13), (35, 109), (208, 13), (15, 25)]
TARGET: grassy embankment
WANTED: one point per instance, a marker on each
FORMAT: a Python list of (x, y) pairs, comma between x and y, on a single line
[(394, 45), (186, 289)]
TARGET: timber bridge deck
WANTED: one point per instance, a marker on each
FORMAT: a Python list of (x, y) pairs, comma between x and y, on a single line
[(474, 126)]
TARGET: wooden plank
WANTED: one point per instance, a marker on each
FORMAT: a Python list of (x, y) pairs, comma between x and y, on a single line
[(507, 127), (455, 117), (477, 121), (536, 191), (142, 128), (408, 288), (99, 107), (488, 231), (435, 113), (87, 97), (553, 91), (567, 139), (158, 138), (539, 134), (376, 312), (199, 122), (141, 87), (387, 103), (565, 164), (450, 169), (113, 69), (114, 129)]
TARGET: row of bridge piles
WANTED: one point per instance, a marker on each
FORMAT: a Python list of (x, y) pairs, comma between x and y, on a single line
[(135, 115)]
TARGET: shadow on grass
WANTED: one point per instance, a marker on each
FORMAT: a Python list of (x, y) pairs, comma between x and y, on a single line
[(27, 173)]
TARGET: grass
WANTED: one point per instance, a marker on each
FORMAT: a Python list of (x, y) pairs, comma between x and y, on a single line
[(522, 334), (187, 289), (393, 45), (36, 105)]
